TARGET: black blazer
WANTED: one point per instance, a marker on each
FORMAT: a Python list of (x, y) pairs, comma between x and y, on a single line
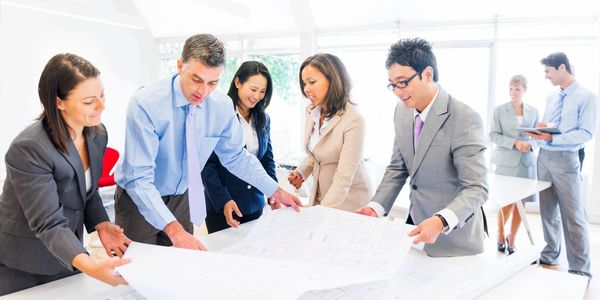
[(44, 204), (220, 185)]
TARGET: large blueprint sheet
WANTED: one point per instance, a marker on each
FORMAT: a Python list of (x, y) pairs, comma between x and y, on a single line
[(285, 255)]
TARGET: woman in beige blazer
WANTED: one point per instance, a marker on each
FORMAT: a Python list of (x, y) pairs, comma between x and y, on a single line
[(334, 137)]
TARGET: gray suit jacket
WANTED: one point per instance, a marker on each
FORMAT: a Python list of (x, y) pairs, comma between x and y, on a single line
[(448, 170), (503, 133), (44, 204)]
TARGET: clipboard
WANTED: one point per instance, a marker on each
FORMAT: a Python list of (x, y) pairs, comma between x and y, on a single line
[(552, 130)]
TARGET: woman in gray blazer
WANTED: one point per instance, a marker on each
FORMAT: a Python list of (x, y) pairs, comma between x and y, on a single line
[(51, 188), (513, 155)]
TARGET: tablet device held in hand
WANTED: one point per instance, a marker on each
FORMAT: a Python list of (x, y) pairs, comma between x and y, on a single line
[(552, 130)]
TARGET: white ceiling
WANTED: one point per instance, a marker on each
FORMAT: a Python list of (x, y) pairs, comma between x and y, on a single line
[(180, 18), (223, 17)]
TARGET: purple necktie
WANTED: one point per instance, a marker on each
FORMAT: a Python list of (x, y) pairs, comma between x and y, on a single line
[(195, 185), (418, 128)]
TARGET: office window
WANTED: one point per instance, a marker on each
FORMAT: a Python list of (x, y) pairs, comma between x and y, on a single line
[(286, 108)]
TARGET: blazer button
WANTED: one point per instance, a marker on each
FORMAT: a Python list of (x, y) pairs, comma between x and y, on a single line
[(414, 186), (77, 212), (249, 186)]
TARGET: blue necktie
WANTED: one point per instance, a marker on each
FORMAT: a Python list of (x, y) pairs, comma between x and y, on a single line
[(555, 116), (195, 185)]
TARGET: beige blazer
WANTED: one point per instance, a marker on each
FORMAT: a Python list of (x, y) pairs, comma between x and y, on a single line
[(340, 178)]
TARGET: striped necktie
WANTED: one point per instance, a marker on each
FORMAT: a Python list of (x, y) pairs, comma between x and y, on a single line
[(555, 116)]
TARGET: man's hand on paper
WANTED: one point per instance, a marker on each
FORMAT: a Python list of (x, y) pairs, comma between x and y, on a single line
[(296, 179), (428, 231), (229, 208), (113, 239), (367, 211), (181, 238), (522, 146), (274, 204), (287, 199)]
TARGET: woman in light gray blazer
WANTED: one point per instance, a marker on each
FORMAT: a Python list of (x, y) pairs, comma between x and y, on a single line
[(51, 186), (513, 154)]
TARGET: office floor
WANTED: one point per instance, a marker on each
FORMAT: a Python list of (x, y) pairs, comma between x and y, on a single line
[(593, 291)]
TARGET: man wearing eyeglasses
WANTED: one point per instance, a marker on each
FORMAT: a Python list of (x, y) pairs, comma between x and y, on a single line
[(439, 145)]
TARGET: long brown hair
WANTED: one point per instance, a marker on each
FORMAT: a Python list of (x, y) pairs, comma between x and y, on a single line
[(339, 81), (62, 74)]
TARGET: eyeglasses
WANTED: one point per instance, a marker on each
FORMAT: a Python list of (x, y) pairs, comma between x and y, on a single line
[(402, 83)]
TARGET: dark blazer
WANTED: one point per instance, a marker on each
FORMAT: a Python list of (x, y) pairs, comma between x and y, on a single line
[(44, 204), (220, 185)]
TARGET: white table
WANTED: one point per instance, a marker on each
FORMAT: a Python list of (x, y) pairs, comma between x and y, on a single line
[(534, 281), (503, 190)]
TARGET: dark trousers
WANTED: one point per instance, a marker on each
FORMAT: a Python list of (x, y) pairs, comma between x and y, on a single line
[(135, 226), (13, 280), (581, 157), (216, 221), (409, 220)]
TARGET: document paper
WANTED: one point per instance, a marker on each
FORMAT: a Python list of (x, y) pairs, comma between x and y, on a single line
[(285, 255)]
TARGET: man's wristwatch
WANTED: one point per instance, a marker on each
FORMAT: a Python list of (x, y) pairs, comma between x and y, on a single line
[(444, 222)]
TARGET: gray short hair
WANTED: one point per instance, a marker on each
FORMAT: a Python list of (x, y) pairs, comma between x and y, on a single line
[(519, 79), (205, 48)]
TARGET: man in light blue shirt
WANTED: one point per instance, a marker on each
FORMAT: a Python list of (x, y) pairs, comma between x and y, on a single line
[(573, 110), (151, 200)]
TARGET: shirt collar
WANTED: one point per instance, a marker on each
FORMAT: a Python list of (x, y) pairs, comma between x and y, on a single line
[(569, 89), (425, 112), (315, 114), (179, 100)]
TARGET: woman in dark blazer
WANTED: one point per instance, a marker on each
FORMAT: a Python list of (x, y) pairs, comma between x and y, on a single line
[(231, 201), (51, 189)]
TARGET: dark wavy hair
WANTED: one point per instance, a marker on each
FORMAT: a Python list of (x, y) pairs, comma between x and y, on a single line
[(247, 70), (555, 60), (340, 85), (62, 74), (415, 53)]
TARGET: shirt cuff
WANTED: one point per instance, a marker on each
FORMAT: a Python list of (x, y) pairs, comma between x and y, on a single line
[(269, 187), (379, 210), (451, 219), (301, 174)]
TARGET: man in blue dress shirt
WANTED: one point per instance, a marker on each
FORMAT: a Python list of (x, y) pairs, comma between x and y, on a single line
[(151, 200), (573, 110)]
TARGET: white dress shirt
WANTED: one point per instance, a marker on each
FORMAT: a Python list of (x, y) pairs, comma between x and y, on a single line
[(317, 131), (250, 135)]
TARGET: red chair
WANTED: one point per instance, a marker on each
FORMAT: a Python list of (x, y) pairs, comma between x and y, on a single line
[(107, 178)]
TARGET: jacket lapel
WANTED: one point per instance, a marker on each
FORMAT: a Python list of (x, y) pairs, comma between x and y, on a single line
[(73, 158), (262, 143), (95, 154), (434, 121), (529, 115), (330, 125)]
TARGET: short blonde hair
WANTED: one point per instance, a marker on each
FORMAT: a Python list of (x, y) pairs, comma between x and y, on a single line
[(519, 79)]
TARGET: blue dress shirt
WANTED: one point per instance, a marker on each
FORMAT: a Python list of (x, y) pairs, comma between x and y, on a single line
[(155, 162), (578, 118)]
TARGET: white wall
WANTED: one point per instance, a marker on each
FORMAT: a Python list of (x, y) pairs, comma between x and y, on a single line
[(127, 58)]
